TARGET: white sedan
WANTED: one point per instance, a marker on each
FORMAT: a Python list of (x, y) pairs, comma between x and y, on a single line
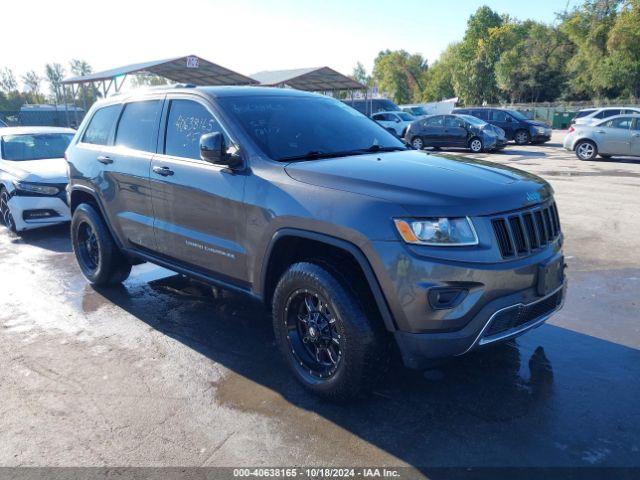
[(33, 176)]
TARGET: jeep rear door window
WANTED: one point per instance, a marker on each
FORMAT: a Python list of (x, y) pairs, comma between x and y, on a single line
[(100, 126), (291, 126), (186, 123), (138, 125)]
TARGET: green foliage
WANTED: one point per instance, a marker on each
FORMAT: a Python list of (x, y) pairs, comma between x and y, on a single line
[(55, 74), (148, 80), (360, 75), (8, 80), (439, 78), (400, 74), (592, 52)]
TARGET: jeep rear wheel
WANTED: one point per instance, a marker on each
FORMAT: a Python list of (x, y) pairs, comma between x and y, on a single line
[(326, 338), (98, 256)]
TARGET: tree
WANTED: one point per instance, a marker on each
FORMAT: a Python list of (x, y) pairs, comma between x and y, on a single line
[(148, 80), (32, 82), (438, 81), (400, 74), (8, 80), (622, 67), (474, 71), (533, 68), (360, 74), (81, 68), (587, 27), (55, 73)]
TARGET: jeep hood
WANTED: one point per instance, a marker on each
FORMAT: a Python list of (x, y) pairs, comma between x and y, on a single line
[(427, 184), (50, 170)]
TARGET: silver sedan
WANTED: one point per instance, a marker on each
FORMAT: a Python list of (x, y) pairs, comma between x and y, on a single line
[(619, 135)]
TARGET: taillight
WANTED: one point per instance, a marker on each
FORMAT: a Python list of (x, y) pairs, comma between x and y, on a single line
[(571, 129)]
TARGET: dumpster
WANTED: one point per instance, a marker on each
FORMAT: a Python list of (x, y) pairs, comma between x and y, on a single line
[(562, 120)]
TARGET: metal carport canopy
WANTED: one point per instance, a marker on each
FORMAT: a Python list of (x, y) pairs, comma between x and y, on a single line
[(188, 69), (315, 79)]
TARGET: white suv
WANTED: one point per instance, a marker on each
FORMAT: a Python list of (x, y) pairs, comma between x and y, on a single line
[(594, 115), (33, 176), (396, 122)]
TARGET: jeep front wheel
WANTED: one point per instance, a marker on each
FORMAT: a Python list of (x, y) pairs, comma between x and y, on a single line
[(98, 256), (324, 334)]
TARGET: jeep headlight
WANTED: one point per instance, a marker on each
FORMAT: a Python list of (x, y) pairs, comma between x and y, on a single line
[(541, 130), (437, 231), (36, 188)]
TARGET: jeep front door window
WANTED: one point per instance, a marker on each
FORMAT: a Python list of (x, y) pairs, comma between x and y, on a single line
[(197, 205)]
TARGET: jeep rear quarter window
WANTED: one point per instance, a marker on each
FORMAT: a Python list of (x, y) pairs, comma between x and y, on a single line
[(186, 123), (137, 125), (99, 129)]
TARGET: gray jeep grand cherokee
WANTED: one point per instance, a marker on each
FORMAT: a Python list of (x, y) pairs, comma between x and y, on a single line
[(353, 240)]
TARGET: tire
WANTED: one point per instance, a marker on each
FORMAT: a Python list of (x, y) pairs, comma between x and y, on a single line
[(586, 150), (98, 256), (417, 143), (324, 334), (5, 212), (475, 145), (522, 137)]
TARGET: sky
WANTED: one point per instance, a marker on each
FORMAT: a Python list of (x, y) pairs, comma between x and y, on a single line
[(244, 35)]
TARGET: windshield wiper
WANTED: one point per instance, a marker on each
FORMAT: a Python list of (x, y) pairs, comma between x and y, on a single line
[(317, 154)]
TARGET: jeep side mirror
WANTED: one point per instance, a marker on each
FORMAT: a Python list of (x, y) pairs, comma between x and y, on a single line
[(214, 150)]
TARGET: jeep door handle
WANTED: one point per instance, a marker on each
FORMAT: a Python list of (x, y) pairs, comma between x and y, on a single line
[(600, 131), (105, 159), (164, 171)]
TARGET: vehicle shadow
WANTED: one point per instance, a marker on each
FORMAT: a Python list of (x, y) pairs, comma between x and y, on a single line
[(501, 406), (54, 238)]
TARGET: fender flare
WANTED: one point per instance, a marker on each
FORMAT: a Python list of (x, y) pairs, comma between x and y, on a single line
[(372, 280), (102, 211)]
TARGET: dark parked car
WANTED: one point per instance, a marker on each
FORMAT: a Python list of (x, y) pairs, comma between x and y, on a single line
[(462, 131), (516, 126), (373, 105), (351, 239)]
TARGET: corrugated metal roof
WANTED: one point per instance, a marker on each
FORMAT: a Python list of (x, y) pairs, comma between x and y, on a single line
[(189, 69), (314, 79)]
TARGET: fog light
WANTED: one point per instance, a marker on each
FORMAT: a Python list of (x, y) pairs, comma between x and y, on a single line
[(39, 214), (442, 298)]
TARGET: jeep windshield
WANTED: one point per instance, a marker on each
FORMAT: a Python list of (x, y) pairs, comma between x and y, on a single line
[(308, 128)]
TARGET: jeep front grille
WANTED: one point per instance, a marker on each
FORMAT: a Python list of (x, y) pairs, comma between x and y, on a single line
[(523, 232)]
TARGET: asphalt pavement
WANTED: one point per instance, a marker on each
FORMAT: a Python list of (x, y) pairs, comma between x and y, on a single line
[(167, 372)]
